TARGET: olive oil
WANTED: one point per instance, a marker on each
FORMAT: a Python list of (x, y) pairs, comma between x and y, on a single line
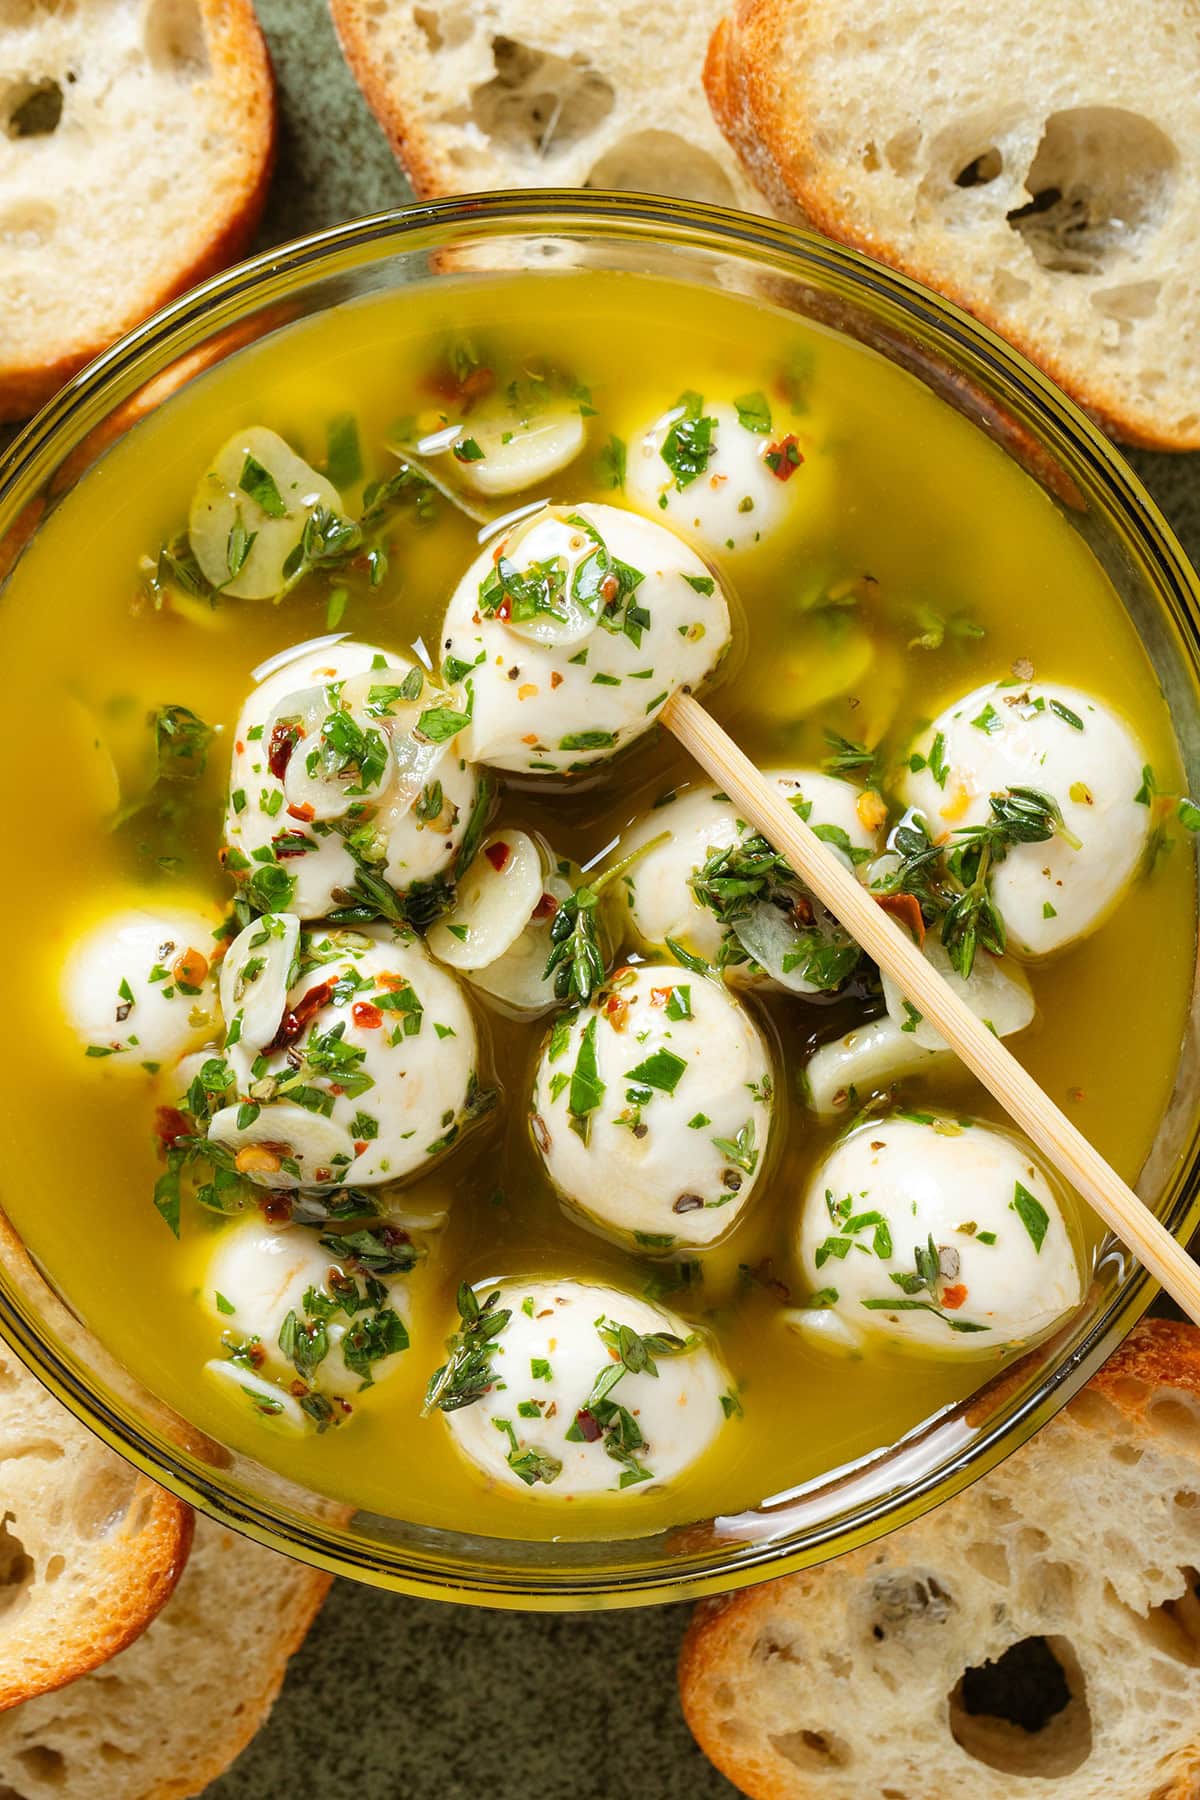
[(921, 563)]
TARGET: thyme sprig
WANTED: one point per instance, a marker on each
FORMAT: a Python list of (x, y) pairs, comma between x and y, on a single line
[(467, 1373), (577, 964)]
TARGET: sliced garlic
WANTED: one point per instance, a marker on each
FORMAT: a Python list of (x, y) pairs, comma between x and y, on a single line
[(518, 978), (285, 1145), (272, 1406), (548, 579), (249, 512), (255, 977), (805, 959), (841, 1076), (824, 1330), (996, 991), (496, 900), (517, 454)]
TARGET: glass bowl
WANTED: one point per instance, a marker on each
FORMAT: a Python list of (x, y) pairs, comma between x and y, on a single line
[(1003, 396)]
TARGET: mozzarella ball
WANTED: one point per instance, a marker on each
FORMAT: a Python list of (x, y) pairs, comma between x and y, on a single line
[(367, 1073), (538, 1427), (660, 898), (652, 1107), (258, 1275), (1064, 744), (719, 478), (572, 630), (284, 828), (1005, 1264), (140, 987)]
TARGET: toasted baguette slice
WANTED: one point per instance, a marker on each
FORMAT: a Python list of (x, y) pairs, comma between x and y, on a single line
[(89, 1549), (891, 1673), (517, 93), (1037, 167), (170, 1713), (136, 139)]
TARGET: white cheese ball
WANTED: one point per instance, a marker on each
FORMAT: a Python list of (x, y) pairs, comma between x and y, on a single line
[(559, 690), (380, 1046), (751, 482), (1007, 1267), (258, 1274), (139, 987), (652, 1107), (1065, 744), (546, 1361), (420, 838), (657, 889)]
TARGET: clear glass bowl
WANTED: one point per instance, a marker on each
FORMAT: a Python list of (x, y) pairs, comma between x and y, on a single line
[(1003, 396)]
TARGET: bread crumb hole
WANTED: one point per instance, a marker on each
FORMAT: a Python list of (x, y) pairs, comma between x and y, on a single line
[(1128, 1455), (660, 162), (870, 158), (989, 1559), (1100, 185), (901, 150), (427, 23), (1174, 1627), (812, 1749), (1026, 1712), (174, 37), (1177, 1419), (44, 1764), (1128, 303), (538, 104), (16, 1568), (33, 109), (53, 1569), (1186, 1500), (981, 169)]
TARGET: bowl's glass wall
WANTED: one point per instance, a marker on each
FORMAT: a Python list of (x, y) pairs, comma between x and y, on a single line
[(985, 381)]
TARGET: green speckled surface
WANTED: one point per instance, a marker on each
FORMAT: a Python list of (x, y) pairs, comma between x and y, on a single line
[(393, 1699)]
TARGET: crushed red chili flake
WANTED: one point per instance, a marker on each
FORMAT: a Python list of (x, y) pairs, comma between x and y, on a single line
[(360, 1145), (366, 1015), (170, 1124), (953, 1297), (306, 812), (660, 996), (784, 458), (589, 1428), (393, 983), (290, 843), (294, 1021), (905, 908), (276, 1209), (255, 1355), (616, 1011), (498, 855), (556, 679), (284, 739), (546, 908)]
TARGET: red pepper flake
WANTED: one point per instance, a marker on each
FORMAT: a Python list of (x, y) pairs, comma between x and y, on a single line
[(360, 1145), (393, 983), (907, 909), (170, 1124), (953, 1297), (190, 969), (546, 908), (660, 996), (616, 1011), (589, 1428), (498, 855), (284, 739), (240, 747), (784, 458), (255, 1355), (276, 1209), (305, 812), (556, 679), (366, 1015), (293, 1022)]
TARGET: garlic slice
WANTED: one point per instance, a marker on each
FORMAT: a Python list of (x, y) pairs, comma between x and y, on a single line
[(249, 512), (271, 1405), (787, 950), (547, 582), (255, 977), (496, 900), (517, 454), (518, 978), (996, 991), (282, 1134), (842, 1075)]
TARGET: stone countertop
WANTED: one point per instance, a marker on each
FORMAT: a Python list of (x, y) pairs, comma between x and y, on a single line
[(397, 1699)]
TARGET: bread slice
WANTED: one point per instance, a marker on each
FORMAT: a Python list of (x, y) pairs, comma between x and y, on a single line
[(89, 1549), (520, 93), (136, 139), (1060, 1591), (168, 1715), (1036, 166)]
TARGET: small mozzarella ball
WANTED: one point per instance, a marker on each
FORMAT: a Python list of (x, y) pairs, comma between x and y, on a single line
[(419, 836), (259, 1275), (722, 483), (1004, 1267), (369, 1075), (140, 985), (652, 1107), (658, 889), (1066, 745), (249, 513), (527, 1432), (569, 666)]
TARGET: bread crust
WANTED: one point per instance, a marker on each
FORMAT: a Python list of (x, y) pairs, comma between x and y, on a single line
[(762, 121), (423, 163), (241, 71), (1159, 1353)]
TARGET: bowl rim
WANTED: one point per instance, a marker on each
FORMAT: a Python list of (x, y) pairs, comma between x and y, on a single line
[(1054, 420)]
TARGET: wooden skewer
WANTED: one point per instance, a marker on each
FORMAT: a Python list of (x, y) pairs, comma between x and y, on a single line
[(894, 951)]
